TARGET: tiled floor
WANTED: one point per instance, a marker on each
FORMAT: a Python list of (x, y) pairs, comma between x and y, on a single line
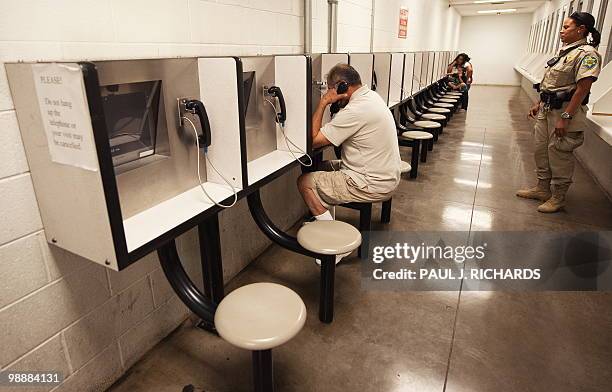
[(428, 341)]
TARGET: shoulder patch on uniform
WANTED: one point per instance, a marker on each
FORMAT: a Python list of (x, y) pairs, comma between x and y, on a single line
[(590, 61)]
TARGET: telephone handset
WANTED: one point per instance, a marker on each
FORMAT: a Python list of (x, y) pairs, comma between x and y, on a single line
[(276, 91), (374, 81), (341, 88), (196, 107)]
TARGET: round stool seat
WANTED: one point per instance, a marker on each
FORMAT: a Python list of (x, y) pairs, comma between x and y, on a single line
[(405, 167), (458, 95), (452, 96), (447, 100), (433, 116), (260, 316), (329, 237), (438, 110), (417, 135), (427, 124), (443, 105)]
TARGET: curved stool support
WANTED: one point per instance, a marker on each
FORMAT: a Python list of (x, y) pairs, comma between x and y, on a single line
[(183, 286), (271, 231)]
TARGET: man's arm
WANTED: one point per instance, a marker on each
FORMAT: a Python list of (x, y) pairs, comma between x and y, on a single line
[(318, 138)]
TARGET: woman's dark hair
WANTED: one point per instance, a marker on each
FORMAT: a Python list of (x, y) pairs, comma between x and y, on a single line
[(465, 57), (587, 20)]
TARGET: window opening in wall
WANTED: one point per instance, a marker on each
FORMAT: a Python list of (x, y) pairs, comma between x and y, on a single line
[(555, 36), (589, 6), (539, 37), (603, 6), (544, 30), (608, 54), (551, 23)]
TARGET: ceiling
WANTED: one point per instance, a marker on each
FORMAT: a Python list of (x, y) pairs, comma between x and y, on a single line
[(467, 7)]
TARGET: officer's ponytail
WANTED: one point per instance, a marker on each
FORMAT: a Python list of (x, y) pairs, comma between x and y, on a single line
[(587, 20), (595, 37)]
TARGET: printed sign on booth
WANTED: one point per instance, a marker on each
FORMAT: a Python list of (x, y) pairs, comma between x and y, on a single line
[(403, 23)]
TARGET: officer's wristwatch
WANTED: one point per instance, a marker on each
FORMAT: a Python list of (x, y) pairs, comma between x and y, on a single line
[(566, 116)]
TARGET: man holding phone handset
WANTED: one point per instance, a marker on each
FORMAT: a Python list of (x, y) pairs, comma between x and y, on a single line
[(369, 168)]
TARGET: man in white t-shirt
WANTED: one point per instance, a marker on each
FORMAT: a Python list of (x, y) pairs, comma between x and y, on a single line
[(369, 170)]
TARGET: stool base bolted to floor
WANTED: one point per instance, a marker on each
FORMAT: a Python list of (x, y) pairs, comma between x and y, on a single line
[(259, 317), (328, 239), (417, 137)]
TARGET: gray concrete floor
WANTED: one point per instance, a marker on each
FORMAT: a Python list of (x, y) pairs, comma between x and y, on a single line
[(427, 341)]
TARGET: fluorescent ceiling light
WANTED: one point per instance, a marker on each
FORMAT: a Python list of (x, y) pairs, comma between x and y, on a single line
[(492, 1), (504, 11)]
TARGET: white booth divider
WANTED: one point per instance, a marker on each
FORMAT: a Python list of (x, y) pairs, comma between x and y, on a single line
[(408, 75), (364, 64), (218, 81), (382, 71), (416, 75), (395, 88), (435, 70), (424, 66), (430, 68)]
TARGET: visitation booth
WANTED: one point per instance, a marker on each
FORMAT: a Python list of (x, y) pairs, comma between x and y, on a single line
[(396, 78), (275, 113), (382, 72), (322, 63), (112, 149), (364, 64), (408, 78)]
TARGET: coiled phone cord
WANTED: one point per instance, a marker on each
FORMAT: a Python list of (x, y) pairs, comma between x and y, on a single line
[(214, 168), (287, 140)]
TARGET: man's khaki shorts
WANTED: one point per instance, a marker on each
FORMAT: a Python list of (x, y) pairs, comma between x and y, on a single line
[(337, 187)]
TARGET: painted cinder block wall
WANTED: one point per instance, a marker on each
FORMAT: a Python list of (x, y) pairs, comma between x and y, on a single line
[(61, 312)]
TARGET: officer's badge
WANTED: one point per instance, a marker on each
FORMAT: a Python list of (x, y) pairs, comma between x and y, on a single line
[(589, 62)]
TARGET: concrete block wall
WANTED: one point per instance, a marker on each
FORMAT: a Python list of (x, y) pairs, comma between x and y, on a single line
[(61, 312)]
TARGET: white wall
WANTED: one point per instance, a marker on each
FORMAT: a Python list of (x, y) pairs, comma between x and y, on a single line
[(495, 43), (432, 25), (58, 311)]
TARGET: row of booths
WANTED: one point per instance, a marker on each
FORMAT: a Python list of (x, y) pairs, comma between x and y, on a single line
[(127, 155), (100, 135)]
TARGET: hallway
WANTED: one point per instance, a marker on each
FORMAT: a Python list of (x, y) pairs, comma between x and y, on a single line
[(427, 341)]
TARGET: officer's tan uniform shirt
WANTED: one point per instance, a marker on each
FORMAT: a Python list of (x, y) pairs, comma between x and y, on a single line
[(366, 130), (581, 62)]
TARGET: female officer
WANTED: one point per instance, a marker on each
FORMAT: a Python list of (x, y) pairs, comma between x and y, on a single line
[(561, 112)]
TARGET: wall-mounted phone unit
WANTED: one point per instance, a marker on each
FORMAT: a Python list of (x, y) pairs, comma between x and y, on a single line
[(195, 108), (276, 98), (127, 180)]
